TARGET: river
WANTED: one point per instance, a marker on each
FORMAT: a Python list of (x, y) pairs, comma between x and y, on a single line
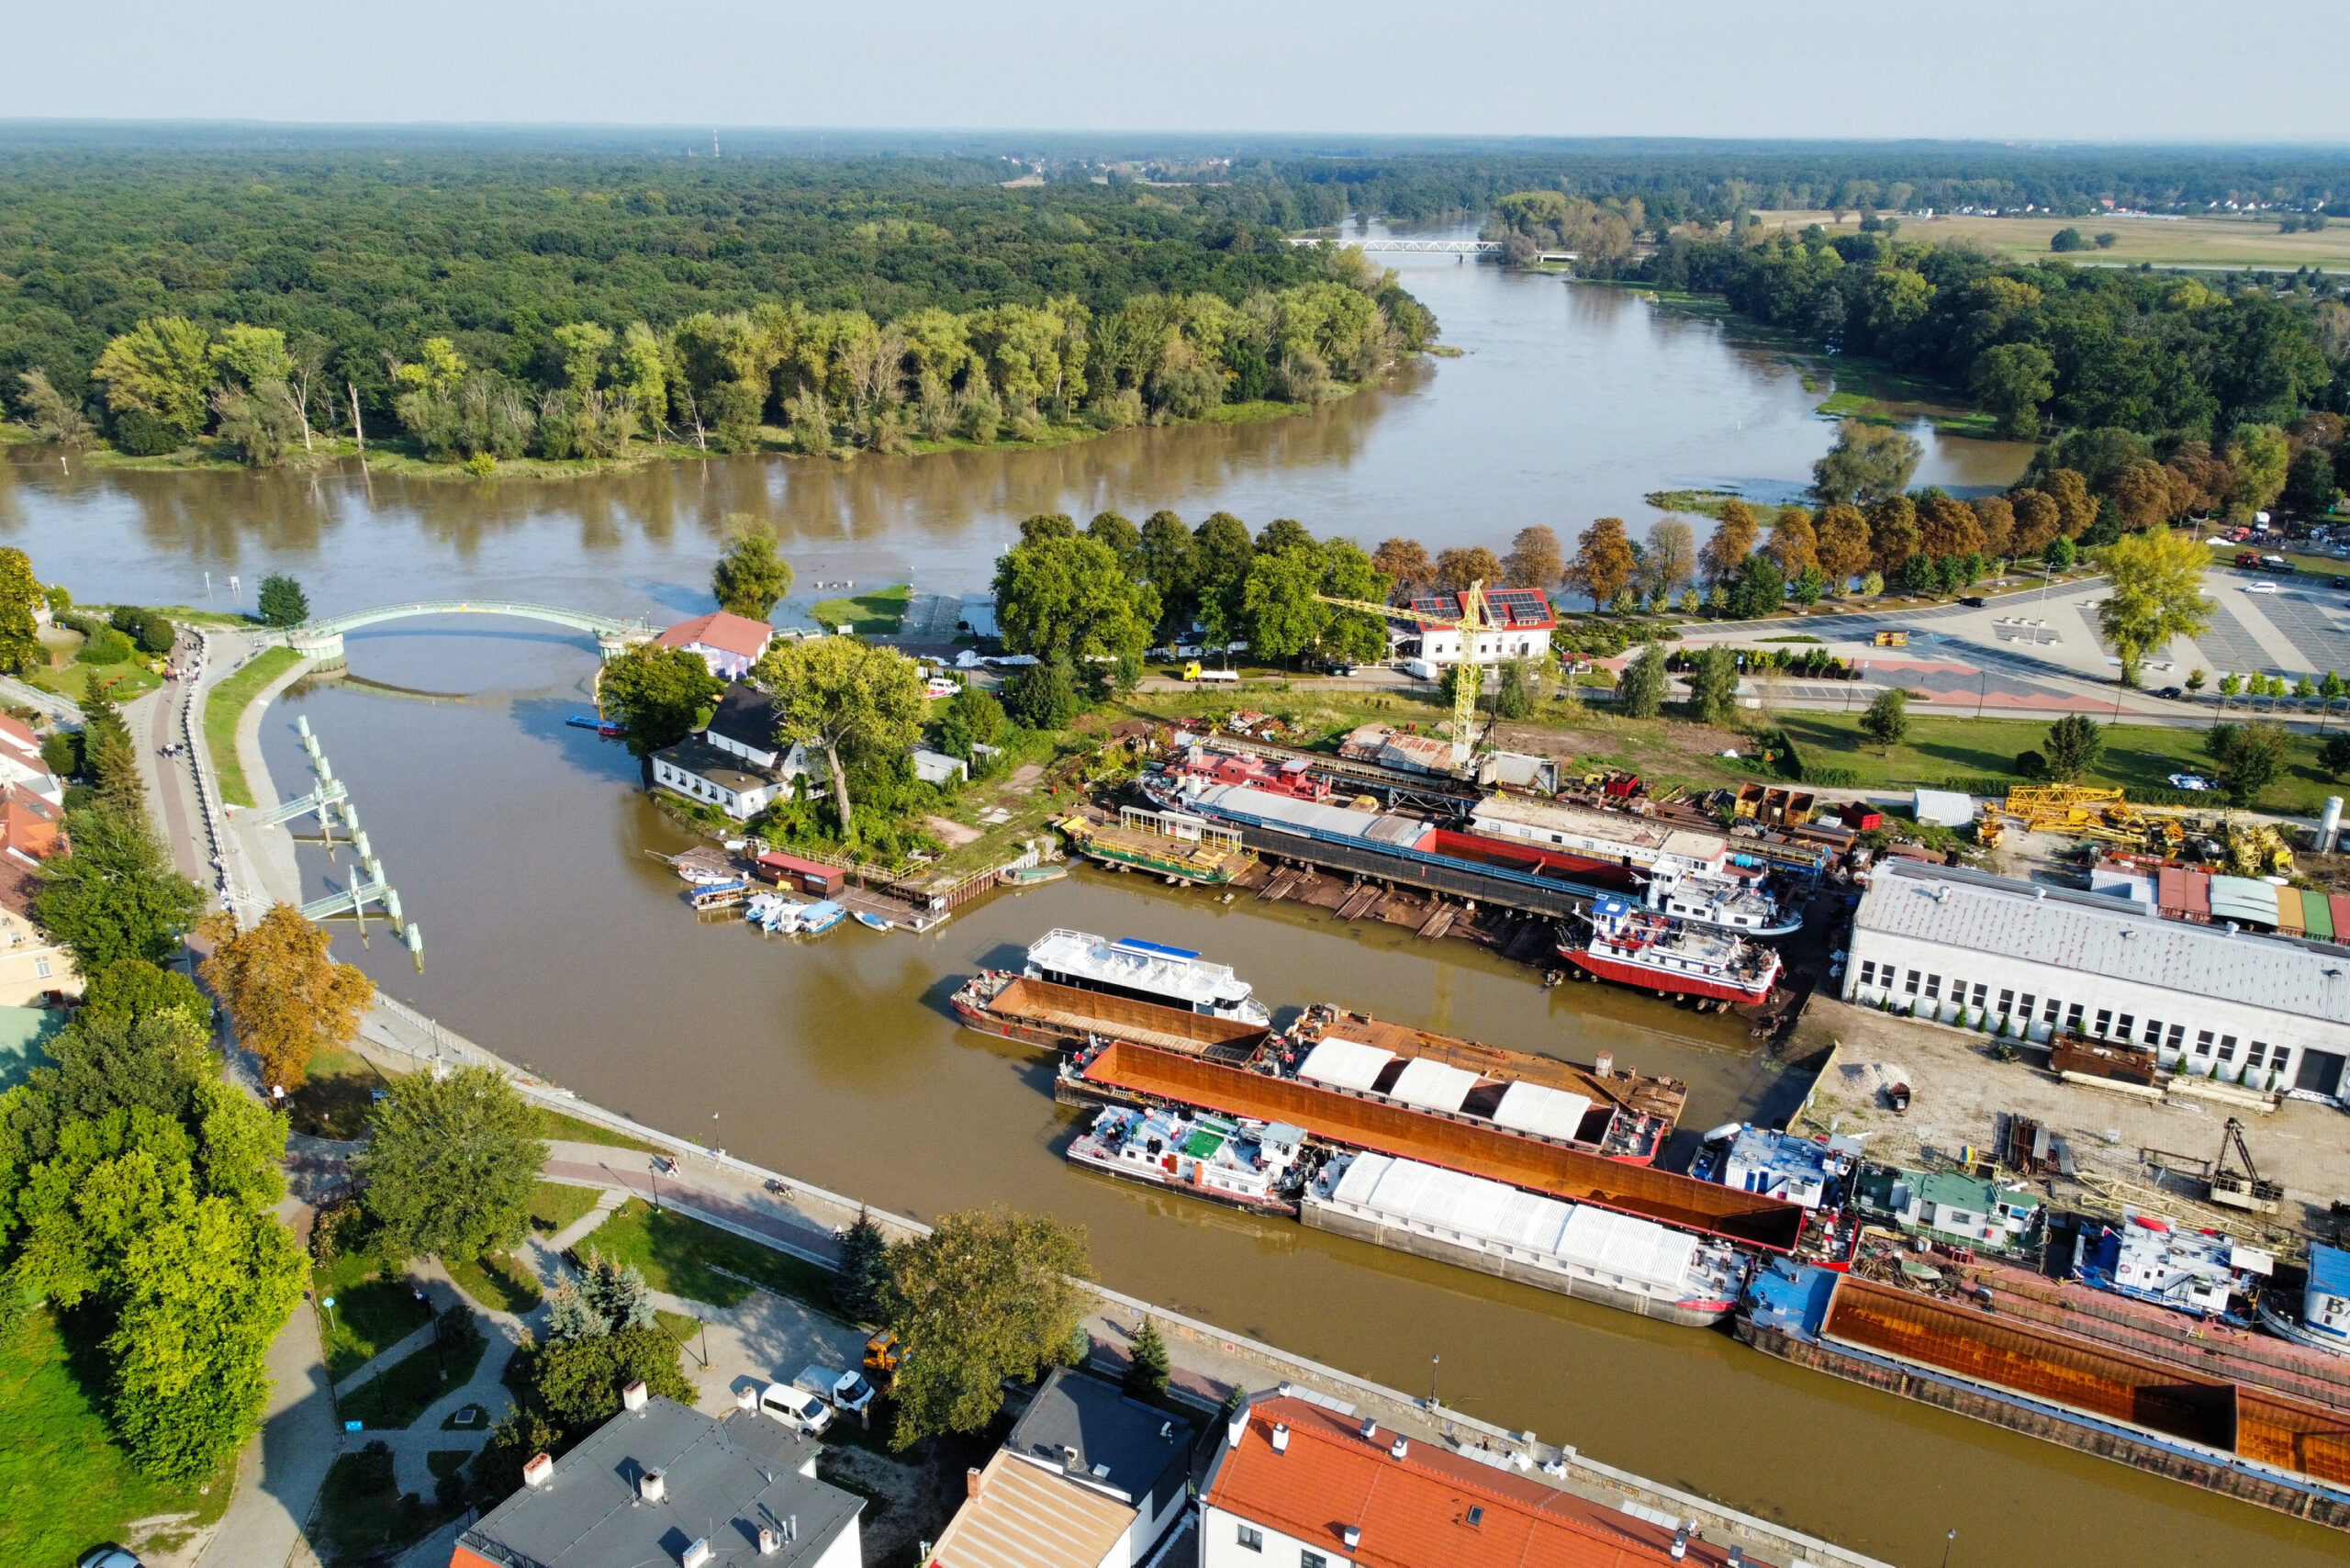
[(555, 938)]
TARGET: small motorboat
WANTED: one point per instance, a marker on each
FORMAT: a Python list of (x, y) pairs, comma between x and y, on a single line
[(868, 918), (774, 915), (597, 722), (821, 917)]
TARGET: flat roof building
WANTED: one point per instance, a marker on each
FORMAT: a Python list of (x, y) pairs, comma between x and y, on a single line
[(1951, 944)]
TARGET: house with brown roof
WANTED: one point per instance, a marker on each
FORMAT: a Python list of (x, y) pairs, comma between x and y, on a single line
[(1300, 1484), (730, 645)]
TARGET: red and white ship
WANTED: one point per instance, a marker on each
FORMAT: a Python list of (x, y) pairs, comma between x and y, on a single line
[(1636, 947)]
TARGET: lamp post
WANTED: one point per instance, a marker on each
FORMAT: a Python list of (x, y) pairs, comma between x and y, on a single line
[(1947, 1542), (1433, 1363)]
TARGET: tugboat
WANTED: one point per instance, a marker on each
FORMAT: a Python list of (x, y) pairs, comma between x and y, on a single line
[(1638, 948), (2324, 1322)]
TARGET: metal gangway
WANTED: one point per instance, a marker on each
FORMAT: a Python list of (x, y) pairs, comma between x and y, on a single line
[(368, 884)]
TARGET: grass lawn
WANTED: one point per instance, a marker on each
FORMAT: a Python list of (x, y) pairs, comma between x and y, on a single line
[(73, 679), (2136, 756), (334, 1101), (447, 1462), (555, 1124), (879, 612), (554, 1206), (682, 1257), (403, 1391), (361, 1515), (65, 1487), (2179, 241), (501, 1284), (372, 1311), (225, 705)]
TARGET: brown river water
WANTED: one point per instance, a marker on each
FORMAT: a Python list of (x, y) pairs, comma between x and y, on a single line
[(554, 938)]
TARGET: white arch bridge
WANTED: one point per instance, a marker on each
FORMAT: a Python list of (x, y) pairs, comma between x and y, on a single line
[(322, 639)]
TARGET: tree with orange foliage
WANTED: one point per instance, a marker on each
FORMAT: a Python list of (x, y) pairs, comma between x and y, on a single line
[(1842, 533), (1725, 553), (1603, 562), (285, 997)]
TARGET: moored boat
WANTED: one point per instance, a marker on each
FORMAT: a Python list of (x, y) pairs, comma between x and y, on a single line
[(1058, 1017), (1638, 948), (871, 921), (821, 917), (1146, 971), (2322, 1320), (1250, 1165)]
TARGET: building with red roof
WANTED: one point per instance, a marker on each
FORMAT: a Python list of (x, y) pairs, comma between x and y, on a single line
[(730, 645), (1523, 621), (1299, 1485)]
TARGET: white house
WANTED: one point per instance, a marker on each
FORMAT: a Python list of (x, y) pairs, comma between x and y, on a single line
[(22, 763), (730, 645), (703, 773), (1526, 621)]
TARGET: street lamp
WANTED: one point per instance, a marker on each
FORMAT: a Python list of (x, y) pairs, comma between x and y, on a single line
[(1433, 1363), (1947, 1542)]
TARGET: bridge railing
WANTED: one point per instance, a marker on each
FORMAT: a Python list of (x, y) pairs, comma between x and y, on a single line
[(579, 620)]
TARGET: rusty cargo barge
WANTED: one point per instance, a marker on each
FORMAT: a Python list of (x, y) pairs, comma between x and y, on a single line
[(2249, 1443), (1066, 1018)]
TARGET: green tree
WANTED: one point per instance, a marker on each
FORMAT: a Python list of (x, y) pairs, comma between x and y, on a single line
[(1071, 597), (1349, 573), (2075, 743), (53, 416), (2157, 595), (1045, 696), (2259, 459), (576, 1384), (2333, 757), (861, 1282), (848, 699), (2310, 488), (1639, 693), (2248, 757), (973, 717), (134, 988), (115, 895), (1165, 559), (1713, 687), (2059, 553), (986, 1297), (1283, 534), (1867, 463), (1120, 535), (162, 367), (1886, 722), (1514, 699), (1533, 560), (450, 1165), (1405, 564), (657, 695), (750, 578), (1221, 554), (1759, 590), (1148, 1366), (283, 602), (20, 645), (1282, 614), (2012, 380)]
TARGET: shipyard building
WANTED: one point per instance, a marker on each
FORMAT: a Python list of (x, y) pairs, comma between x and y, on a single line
[(2270, 1012)]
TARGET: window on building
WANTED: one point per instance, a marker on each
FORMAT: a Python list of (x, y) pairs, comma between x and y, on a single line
[(1868, 972), (2154, 1035), (2227, 1048), (1909, 986), (2007, 1002), (1933, 988), (40, 967), (2104, 1022), (2256, 1054), (2277, 1063), (2126, 1026), (2048, 1015), (2025, 1011), (2177, 1036), (1981, 992), (1311, 1560), (1251, 1538), (2204, 1042), (2073, 1016)]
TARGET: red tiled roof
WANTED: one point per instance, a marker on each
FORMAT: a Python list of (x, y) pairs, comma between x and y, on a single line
[(20, 735), (1414, 1512), (728, 633)]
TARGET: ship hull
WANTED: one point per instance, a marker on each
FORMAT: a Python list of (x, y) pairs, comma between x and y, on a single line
[(1670, 981), (1693, 1314), (1144, 1176)]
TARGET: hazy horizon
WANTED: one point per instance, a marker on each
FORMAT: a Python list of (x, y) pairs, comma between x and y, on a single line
[(1840, 70)]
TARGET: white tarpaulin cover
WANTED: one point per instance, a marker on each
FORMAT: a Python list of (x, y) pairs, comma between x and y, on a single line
[(1348, 1064), (1433, 1085), (1540, 1109), (1620, 1244)]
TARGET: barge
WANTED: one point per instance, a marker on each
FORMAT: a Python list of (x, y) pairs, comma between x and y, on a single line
[(1124, 1074), (1145, 971), (1623, 1115), (1175, 845), (1249, 1165), (1063, 1018), (1578, 1249), (2241, 1441)]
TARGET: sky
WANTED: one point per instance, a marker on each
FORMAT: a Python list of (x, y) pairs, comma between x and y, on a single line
[(2071, 70)]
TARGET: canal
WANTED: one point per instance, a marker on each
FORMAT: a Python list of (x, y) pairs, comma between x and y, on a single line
[(557, 939)]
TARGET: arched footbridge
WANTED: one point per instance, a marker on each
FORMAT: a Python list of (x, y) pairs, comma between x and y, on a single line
[(322, 639)]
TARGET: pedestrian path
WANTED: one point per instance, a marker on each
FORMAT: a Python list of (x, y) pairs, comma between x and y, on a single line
[(748, 1207)]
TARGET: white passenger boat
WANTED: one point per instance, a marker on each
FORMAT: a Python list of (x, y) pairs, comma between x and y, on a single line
[(1146, 971)]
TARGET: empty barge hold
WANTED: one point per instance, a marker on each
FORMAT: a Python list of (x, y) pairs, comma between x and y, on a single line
[(2244, 1442), (1124, 1074), (1577, 1249), (1063, 1018), (1622, 1116)]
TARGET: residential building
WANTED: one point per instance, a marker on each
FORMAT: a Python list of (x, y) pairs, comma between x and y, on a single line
[(1087, 1479), (2267, 1011), (1525, 621), (22, 765), (663, 1484), (33, 968), (730, 645), (1296, 1484), (745, 724), (702, 772)]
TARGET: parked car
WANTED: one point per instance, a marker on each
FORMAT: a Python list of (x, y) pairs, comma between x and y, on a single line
[(1972, 601), (110, 1557), (796, 1408), (2171, 693), (843, 1390), (2260, 587)]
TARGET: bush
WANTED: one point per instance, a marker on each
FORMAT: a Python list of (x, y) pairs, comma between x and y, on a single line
[(105, 646), (2031, 765), (141, 434)]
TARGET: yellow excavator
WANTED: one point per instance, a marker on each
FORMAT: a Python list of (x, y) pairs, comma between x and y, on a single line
[(1475, 616)]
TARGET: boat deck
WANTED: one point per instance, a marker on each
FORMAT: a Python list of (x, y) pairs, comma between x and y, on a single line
[(1162, 854), (1453, 1143), (1660, 1097)]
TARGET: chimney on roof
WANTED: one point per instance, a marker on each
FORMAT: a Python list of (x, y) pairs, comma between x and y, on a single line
[(1370, 1431), (697, 1554), (971, 1482), (1681, 1543), (653, 1486), (1397, 1449), (539, 1472), (633, 1397), (1281, 1437), (771, 1542), (1352, 1536)]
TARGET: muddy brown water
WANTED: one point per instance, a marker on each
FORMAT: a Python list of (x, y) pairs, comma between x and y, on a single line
[(555, 938)]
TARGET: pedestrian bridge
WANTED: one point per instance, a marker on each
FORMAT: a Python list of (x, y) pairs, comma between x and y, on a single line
[(322, 639), (1409, 247)]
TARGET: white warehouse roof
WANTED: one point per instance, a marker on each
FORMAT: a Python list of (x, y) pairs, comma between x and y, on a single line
[(1470, 1205), (1972, 912)]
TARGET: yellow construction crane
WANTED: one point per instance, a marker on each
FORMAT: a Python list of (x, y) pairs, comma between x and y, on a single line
[(1475, 617)]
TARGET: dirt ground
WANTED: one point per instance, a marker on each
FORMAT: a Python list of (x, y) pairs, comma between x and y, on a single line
[(954, 833), (1959, 1089)]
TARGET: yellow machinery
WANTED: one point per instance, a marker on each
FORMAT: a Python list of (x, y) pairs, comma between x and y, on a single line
[(1990, 821), (2056, 808), (2254, 850), (1474, 616)]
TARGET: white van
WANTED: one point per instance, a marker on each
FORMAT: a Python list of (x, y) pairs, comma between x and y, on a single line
[(796, 1408), (843, 1390)]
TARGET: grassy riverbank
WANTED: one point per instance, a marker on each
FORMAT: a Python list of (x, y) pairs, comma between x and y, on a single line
[(225, 705)]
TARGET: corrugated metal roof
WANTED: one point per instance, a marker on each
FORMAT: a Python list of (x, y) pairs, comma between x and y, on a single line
[(1538, 1108), (2244, 898), (1971, 911), (1346, 1064), (1433, 1085), (2329, 1270), (1268, 807)]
